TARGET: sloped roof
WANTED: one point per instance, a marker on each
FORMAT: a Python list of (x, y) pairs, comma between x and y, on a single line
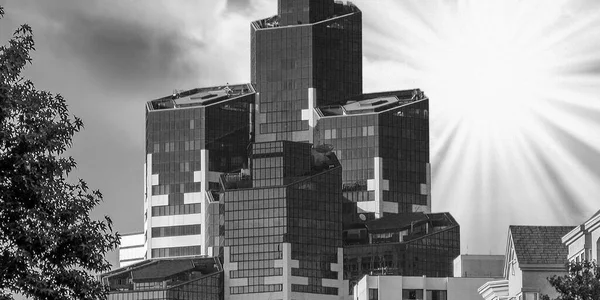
[(162, 269), (395, 222), (540, 244)]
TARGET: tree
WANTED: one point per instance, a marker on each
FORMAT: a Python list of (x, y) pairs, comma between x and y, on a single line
[(49, 246), (581, 283)]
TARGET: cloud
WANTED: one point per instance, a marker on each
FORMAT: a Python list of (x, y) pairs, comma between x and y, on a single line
[(239, 5), (120, 49), (126, 51)]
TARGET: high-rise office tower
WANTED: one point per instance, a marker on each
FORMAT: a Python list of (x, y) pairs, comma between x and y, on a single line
[(306, 65), (191, 138), (283, 229), (382, 141), (308, 55)]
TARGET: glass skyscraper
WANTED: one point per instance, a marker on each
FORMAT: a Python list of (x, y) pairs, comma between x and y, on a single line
[(306, 66), (308, 55), (297, 182), (191, 138), (382, 141)]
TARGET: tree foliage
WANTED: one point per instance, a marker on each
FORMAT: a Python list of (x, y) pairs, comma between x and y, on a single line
[(581, 283), (49, 246)]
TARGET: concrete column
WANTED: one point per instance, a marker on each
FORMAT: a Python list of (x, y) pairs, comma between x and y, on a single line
[(204, 199), (148, 205)]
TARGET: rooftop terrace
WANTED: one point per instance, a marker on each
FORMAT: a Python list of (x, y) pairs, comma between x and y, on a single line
[(200, 96), (156, 274), (371, 103), (341, 9), (397, 228)]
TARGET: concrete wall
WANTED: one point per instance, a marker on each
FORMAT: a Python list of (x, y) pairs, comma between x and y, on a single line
[(491, 266)]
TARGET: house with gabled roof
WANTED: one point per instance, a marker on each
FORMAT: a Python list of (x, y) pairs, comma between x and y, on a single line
[(533, 253)]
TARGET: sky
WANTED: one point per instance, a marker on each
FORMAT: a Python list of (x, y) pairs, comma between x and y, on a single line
[(514, 91)]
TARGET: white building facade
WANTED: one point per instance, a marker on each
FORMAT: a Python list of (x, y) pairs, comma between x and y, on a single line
[(422, 288)]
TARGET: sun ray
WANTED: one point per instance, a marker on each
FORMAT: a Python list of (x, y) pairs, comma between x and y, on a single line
[(514, 91)]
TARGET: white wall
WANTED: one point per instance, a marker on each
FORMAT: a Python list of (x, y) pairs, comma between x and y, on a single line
[(390, 287), (132, 240), (132, 249)]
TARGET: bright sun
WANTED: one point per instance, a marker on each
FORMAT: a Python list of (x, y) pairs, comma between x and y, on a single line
[(514, 100), (490, 71)]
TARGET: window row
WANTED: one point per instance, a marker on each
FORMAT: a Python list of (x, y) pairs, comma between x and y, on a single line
[(168, 162), (175, 177), (262, 232), (256, 273), (252, 240), (349, 132), (253, 248), (325, 290), (170, 210), (177, 146), (267, 162), (256, 289), (255, 214), (176, 230), (284, 126), (255, 194), (176, 188), (176, 251), (258, 203), (267, 173), (315, 273), (259, 256), (256, 223)]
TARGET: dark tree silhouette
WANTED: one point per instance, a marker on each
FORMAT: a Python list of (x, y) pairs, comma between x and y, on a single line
[(581, 283), (49, 246)]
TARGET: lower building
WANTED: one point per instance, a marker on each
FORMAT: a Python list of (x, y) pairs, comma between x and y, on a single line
[(469, 265), (411, 244), (175, 278), (533, 253), (418, 288), (132, 249)]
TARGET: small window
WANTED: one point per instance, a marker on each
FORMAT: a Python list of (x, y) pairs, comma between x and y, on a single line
[(373, 294), (436, 295), (412, 294)]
